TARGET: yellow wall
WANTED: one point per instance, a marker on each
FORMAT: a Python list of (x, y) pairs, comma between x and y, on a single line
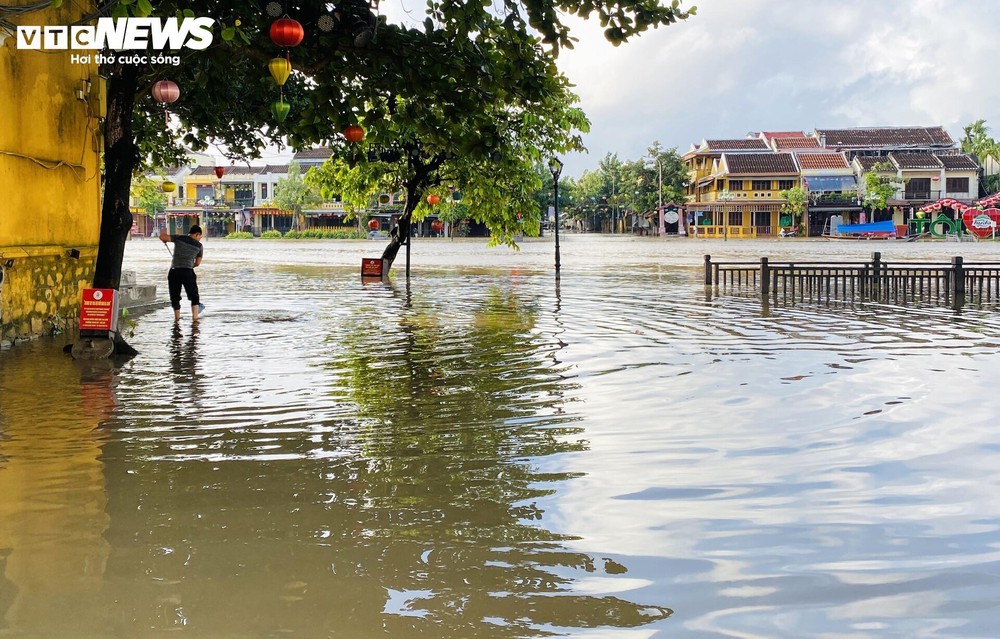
[(49, 180)]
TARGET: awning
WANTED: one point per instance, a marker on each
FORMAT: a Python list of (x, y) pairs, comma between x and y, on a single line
[(831, 183)]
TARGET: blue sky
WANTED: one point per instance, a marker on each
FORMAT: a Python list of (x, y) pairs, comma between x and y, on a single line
[(750, 65)]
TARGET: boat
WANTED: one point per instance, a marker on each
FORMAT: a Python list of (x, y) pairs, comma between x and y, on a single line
[(871, 231)]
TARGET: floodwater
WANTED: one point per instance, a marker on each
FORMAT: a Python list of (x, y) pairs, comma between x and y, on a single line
[(489, 452)]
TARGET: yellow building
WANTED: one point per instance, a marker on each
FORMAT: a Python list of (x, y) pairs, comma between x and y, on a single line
[(735, 187), (50, 108)]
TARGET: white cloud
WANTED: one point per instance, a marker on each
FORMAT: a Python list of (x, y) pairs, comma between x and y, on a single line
[(747, 65)]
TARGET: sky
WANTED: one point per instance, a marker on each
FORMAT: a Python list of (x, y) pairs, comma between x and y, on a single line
[(780, 65), (786, 65)]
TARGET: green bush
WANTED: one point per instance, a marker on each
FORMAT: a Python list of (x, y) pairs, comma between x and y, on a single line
[(328, 234), (240, 235), (270, 235)]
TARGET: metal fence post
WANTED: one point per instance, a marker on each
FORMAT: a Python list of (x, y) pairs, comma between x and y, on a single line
[(957, 276), (765, 277), (708, 270)]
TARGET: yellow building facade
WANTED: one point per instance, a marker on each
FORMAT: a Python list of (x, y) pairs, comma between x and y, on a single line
[(50, 108)]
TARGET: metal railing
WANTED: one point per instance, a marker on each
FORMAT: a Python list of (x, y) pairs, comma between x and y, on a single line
[(873, 280)]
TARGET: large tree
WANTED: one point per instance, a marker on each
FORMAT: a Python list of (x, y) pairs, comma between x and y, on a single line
[(428, 82)]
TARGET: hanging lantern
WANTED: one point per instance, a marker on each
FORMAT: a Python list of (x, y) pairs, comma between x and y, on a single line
[(220, 171), (280, 110), (433, 199), (168, 187), (280, 69), (437, 226), (354, 133), (286, 32), (373, 224), (166, 91)]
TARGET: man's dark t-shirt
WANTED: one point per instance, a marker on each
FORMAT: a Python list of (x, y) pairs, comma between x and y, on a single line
[(186, 251)]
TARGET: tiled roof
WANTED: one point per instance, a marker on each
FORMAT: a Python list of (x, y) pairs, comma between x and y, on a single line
[(867, 162), (739, 144), (958, 162), (822, 161), (796, 143), (880, 137), (274, 168), (915, 160), (203, 170), (760, 163), (316, 153), (770, 135), (242, 170)]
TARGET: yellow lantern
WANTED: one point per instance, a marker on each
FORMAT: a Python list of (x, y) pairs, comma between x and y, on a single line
[(168, 187), (280, 69)]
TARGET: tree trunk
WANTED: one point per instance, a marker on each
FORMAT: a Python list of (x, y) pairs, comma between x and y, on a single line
[(120, 158)]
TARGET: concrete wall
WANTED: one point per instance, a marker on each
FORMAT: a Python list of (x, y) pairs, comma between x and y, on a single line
[(49, 180)]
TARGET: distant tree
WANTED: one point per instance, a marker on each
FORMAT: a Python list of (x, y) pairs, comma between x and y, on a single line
[(148, 196), (293, 193), (796, 199), (986, 150), (881, 183)]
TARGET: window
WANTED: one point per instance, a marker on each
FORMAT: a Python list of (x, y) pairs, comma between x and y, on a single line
[(957, 185), (735, 185), (180, 191), (761, 185), (735, 218), (263, 191), (784, 185)]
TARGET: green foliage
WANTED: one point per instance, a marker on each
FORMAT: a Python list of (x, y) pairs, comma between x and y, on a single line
[(330, 234), (148, 196), (292, 193), (240, 235), (632, 185), (273, 235), (472, 96), (796, 199), (881, 183)]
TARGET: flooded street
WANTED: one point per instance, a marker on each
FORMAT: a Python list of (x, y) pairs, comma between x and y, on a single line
[(489, 452)]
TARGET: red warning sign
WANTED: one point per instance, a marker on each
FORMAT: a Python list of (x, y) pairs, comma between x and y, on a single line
[(99, 310)]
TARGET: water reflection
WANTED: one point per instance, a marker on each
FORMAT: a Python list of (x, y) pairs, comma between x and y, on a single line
[(483, 453), (403, 502), (52, 510)]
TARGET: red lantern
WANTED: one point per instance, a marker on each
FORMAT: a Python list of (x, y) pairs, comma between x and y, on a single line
[(354, 133), (286, 32), (437, 226), (166, 91), (373, 224), (433, 199), (220, 171)]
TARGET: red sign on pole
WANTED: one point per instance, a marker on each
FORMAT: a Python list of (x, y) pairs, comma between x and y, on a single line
[(99, 310), (372, 267)]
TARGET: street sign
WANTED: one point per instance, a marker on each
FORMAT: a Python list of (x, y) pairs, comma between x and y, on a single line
[(99, 310), (373, 267)]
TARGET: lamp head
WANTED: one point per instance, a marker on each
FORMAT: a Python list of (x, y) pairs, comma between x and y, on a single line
[(555, 167)]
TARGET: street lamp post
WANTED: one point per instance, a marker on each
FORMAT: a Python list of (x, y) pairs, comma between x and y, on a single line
[(555, 167)]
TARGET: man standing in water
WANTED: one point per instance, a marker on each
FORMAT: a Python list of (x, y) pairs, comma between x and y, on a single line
[(186, 257)]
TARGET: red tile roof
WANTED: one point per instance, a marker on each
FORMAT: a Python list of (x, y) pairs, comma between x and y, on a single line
[(883, 137), (822, 161), (760, 163), (777, 135), (796, 143), (739, 144)]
